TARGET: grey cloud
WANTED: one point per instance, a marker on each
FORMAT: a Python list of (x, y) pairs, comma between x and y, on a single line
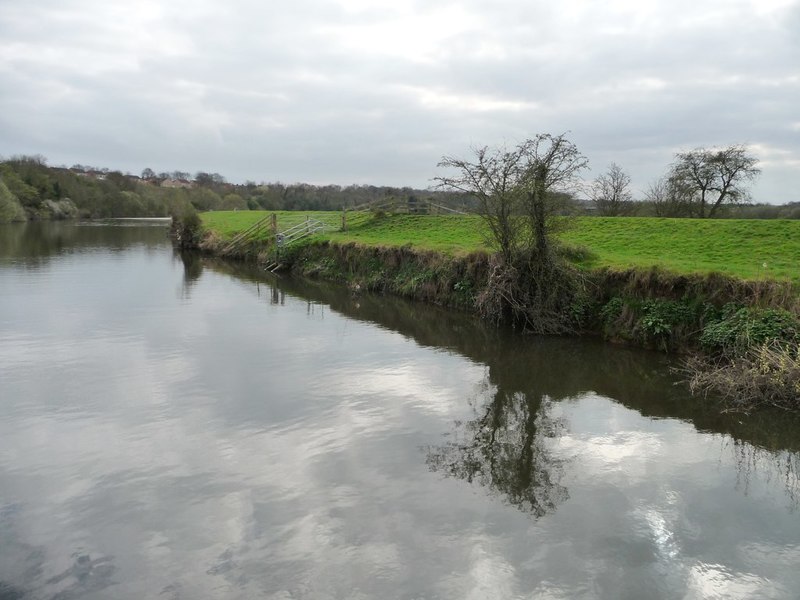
[(330, 92)]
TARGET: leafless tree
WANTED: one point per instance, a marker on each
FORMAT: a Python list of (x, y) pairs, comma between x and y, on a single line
[(714, 177), (669, 199), (519, 194), (552, 165), (610, 192), (510, 183), (493, 177)]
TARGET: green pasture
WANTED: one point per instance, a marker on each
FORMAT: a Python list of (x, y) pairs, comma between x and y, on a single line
[(451, 234), (748, 249), (227, 223)]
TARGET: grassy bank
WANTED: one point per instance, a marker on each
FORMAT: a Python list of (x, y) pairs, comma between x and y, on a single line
[(725, 291), (743, 249)]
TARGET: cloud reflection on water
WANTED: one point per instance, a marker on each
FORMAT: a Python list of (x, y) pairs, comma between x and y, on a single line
[(228, 447)]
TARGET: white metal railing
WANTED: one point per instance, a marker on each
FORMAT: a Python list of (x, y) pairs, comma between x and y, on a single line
[(300, 231)]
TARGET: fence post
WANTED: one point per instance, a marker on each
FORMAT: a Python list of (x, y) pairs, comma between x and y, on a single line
[(274, 227), (344, 219)]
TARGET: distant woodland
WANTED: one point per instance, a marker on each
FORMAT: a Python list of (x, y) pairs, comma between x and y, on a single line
[(30, 189)]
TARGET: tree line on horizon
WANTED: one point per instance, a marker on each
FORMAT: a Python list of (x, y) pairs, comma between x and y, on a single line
[(30, 189)]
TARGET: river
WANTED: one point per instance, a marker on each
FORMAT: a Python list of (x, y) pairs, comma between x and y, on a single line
[(179, 427)]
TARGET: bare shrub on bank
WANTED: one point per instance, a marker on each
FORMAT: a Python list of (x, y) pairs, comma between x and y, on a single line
[(537, 296), (767, 375), (519, 192)]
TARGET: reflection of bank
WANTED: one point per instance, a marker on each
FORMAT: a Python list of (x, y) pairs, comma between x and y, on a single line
[(564, 367), (192, 270), (35, 243), (528, 375), (277, 297), (753, 462)]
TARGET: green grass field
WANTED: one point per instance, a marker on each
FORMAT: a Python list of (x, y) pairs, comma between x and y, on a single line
[(748, 249), (226, 224)]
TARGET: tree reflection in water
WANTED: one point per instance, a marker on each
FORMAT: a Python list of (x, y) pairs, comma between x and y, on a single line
[(509, 445), (753, 462), (192, 271), (506, 448)]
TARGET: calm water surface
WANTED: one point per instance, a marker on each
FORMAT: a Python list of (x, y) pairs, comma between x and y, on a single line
[(183, 428)]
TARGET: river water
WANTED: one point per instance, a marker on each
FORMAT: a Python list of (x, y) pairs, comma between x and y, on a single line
[(176, 427)]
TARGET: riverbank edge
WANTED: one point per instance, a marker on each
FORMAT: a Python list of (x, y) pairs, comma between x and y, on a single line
[(648, 308), (630, 306)]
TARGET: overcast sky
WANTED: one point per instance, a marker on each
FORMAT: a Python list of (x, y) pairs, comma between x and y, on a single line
[(368, 91)]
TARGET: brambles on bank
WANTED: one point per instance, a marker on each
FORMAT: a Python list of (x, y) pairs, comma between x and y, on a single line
[(752, 358), (766, 375)]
